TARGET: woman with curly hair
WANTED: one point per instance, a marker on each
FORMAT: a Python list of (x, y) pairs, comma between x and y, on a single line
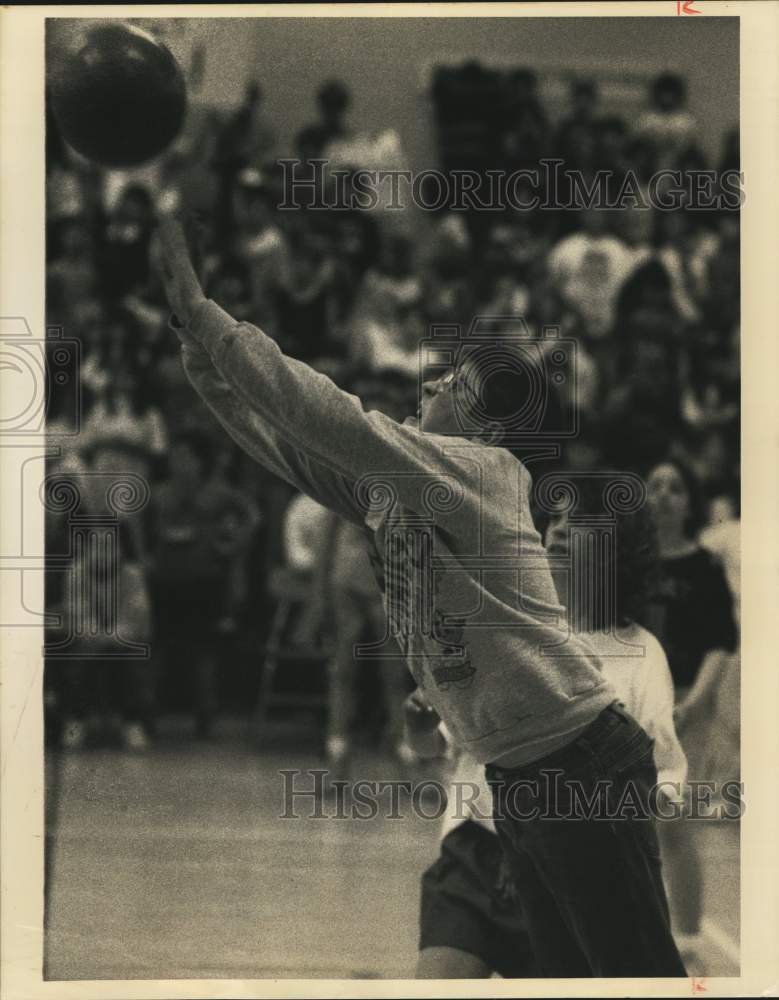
[(472, 922)]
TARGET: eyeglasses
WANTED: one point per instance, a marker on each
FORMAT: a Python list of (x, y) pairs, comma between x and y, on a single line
[(446, 382)]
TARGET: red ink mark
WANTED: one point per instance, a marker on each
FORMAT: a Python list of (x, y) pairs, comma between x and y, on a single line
[(698, 985), (686, 7)]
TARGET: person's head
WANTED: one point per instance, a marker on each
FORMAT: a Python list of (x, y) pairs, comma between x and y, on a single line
[(500, 393), (522, 84), (668, 92), (191, 458), (333, 99), (252, 200), (619, 578), (675, 499), (135, 205), (584, 97)]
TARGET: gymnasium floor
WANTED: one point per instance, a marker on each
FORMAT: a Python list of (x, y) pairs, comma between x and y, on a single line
[(175, 864)]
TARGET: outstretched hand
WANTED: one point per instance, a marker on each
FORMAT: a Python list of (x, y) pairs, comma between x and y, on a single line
[(179, 278)]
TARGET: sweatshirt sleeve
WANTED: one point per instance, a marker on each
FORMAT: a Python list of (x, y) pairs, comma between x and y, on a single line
[(258, 438), (655, 714), (302, 425)]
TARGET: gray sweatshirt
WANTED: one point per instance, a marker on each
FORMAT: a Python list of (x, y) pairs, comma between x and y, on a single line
[(468, 591)]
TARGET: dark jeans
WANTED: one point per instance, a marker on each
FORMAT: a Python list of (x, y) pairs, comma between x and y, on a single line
[(590, 886)]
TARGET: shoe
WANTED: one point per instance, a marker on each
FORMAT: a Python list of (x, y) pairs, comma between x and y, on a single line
[(134, 737), (74, 735)]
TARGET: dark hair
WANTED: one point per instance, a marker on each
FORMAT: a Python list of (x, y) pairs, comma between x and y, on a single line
[(669, 82), (137, 193), (513, 393), (631, 563), (334, 95), (200, 444), (584, 88), (696, 501)]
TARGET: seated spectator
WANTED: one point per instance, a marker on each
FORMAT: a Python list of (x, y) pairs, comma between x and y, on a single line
[(333, 102), (71, 277), (124, 250), (259, 243), (646, 298), (308, 301), (685, 250), (579, 130), (721, 308), (667, 123), (711, 395), (393, 280), (589, 267), (122, 405), (389, 340), (640, 416), (611, 144)]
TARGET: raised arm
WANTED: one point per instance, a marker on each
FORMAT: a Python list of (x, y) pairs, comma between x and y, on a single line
[(315, 430)]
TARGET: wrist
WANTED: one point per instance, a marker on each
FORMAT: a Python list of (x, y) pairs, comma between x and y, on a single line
[(191, 306)]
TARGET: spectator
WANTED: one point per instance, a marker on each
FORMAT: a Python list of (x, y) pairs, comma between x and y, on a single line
[(640, 418), (589, 267), (698, 635), (333, 102), (71, 275), (198, 525), (124, 254), (308, 301), (577, 134), (260, 244), (685, 251), (123, 406), (667, 123)]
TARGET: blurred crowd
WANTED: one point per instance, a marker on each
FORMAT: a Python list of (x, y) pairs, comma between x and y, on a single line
[(650, 297)]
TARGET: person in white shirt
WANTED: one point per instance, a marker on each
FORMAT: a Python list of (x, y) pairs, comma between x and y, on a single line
[(589, 267), (472, 923)]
